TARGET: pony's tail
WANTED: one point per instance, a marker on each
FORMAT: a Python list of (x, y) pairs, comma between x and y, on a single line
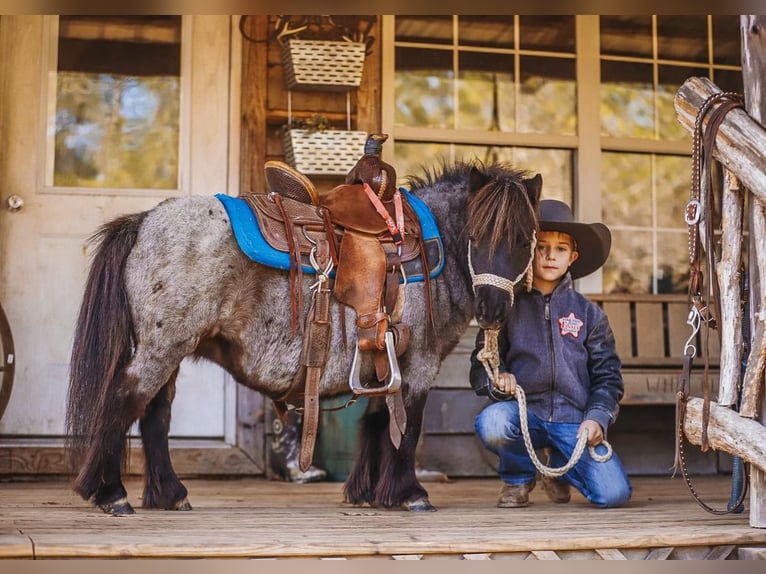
[(103, 336)]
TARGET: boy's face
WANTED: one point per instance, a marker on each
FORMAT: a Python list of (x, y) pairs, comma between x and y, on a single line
[(554, 253)]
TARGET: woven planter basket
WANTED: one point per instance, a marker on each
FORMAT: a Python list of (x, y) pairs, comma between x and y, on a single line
[(322, 64), (327, 152)]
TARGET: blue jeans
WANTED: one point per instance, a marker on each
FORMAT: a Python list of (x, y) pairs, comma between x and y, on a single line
[(605, 484)]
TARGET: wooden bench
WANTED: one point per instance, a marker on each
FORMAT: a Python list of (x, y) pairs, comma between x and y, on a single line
[(651, 332)]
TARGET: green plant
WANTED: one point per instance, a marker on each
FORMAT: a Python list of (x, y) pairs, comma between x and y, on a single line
[(312, 123)]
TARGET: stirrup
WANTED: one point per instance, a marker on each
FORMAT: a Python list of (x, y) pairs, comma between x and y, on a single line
[(392, 383)]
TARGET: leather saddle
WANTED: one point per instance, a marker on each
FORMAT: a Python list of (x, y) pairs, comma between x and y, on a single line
[(349, 243)]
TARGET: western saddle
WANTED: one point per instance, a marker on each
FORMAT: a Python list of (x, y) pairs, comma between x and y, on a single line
[(362, 231)]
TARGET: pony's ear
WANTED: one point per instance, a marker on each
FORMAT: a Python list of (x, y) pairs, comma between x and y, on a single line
[(534, 187), (476, 179)]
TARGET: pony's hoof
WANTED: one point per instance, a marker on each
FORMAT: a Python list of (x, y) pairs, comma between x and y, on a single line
[(182, 504), (420, 505), (119, 507)]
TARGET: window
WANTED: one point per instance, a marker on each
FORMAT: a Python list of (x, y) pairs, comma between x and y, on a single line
[(644, 60), (507, 88), (485, 87), (117, 103)]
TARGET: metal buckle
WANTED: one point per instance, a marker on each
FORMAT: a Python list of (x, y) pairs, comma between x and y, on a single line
[(693, 212)]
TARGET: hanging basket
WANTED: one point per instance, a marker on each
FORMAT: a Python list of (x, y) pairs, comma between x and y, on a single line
[(326, 152), (322, 64)]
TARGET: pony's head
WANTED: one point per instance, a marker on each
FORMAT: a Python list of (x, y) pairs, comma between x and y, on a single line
[(501, 226)]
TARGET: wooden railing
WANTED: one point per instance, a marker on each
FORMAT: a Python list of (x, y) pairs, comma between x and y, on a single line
[(651, 333)]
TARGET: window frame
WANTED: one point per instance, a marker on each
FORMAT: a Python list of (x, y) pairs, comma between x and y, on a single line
[(48, 120)]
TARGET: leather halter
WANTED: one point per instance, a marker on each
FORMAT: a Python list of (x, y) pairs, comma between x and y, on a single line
[(503, 283)]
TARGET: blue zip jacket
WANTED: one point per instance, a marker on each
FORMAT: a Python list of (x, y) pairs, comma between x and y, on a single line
[(562, 351)]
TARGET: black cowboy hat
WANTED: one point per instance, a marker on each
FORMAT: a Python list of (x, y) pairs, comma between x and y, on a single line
[(593, 239)]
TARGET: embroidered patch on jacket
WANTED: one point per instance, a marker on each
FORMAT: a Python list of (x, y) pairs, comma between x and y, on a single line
[(570, 325)]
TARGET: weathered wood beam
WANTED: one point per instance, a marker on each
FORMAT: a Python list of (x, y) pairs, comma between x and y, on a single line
[(730, 286), (752, 383), (753, 34), (741, 139), (727, 431)]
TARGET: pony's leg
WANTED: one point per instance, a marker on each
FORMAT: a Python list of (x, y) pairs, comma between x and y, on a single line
[(383, 475), (126, 401), (162, 488), (99, 479), (360, 484)]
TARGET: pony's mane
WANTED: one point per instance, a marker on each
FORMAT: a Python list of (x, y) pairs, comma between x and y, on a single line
[(499, 211)]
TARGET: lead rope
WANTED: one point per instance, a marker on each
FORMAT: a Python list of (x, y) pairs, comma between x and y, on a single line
[(490, 358)]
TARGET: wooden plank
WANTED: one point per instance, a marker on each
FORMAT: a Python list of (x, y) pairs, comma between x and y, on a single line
[(190, 456), (659, 553), (751, 553), (253, 105), (311, 521), (452, 411), (619, 320), (457, 455), (659, 386), (650, 340), (721, 552), (543, 555), (610, 554)]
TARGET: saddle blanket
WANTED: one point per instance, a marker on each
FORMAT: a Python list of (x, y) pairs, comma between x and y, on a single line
[(254, 245)]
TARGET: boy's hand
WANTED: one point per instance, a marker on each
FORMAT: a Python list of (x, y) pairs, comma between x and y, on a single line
[(592, 430), (506, 383)]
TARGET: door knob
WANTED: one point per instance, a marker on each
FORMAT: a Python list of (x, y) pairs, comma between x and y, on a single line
[(14, 202)]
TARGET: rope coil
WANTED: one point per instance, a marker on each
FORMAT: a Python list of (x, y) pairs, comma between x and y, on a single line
[(490, 358)]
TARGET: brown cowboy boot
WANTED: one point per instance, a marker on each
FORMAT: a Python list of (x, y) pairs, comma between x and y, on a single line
[(557, 490), (515, 495)]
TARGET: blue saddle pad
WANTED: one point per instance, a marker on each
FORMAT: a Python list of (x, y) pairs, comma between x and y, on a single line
[(254, 245)]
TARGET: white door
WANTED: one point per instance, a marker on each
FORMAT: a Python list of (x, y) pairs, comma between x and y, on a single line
[(66, 119)]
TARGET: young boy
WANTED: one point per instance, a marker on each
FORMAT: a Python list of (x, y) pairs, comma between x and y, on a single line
[(560, 348)]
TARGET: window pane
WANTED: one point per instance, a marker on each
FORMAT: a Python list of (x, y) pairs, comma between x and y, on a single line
[(555, 165), (413, 157), (670, 79), (672, 263), (729, 80), (672, 182), (626, 184), (549, 33), (726, 40), (430, 29), (626, 36), (486, 31), (486, 92), (627, 100), (547, 96), (424, 88), (118, 102), (629, 266), (682, 38)]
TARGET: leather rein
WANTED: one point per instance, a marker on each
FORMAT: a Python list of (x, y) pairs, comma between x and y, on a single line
[(699, 212)]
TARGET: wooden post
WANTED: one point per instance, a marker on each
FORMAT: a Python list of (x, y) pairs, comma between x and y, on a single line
[(739, 147), (730, 287), (753, 30), (727, 431), (254, 81), (741, 139)]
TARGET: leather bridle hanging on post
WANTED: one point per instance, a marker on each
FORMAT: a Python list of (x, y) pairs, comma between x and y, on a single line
[(701, 299)]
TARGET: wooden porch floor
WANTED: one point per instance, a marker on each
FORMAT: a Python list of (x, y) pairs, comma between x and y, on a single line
[(257, 518)]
